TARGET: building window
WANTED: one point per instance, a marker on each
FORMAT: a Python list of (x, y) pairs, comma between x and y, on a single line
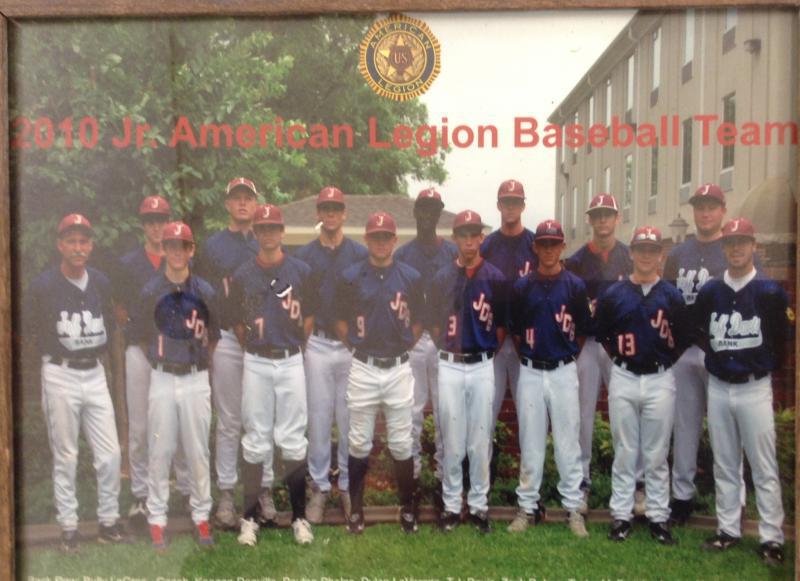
[(608, 101), (562, 215), (574, 211), (688, 37), (651, 205), (729, 36), (627, 198), (629, 92), (686, 167), (607, 180), (656, 69), (728, 116), (731, 15)]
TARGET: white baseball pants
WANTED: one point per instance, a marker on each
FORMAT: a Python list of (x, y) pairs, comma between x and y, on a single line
[(424, 360), (594, 369), (741, 417), (641, 410), (274, 411), (541, 394), (371, 389), (466, 391), (71, 399), (327, 364), (179, 407), (137, 388)]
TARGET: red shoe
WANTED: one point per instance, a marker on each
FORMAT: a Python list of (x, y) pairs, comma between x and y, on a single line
[(158, 539), (202, 534)]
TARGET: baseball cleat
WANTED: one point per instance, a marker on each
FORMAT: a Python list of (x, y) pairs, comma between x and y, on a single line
[(158, 538), (481, 522), (355, 524), (267, 515), (661, 533), (577, 524), (408, 522), (346, 504), (619, 531), (315, 511), (112, 535), (248, 529), (539, 514), (680, 511), (639, 500), (771, 553), (202, 534), (521, 522), (69, 542), (137, 515), (449, 521), (226, 511), (302, 532), (720, 542)]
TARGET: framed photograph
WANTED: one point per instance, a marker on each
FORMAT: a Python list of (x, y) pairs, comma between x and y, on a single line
[(169, 169)]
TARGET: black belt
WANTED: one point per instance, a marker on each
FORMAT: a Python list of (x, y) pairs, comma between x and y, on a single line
[(641, 368), (546, 365), (380, 362), (465, 357), (177, 368), (273, 352), (82, 364), (743, 377)]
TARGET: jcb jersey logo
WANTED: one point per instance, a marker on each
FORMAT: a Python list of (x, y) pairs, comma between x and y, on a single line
[(526, 268), (80, 330), (661, 323), (400, 305), (567, 324), (292, 306), (197, 326), (484, 310)]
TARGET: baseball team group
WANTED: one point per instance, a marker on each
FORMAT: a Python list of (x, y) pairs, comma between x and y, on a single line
[(283, 346)]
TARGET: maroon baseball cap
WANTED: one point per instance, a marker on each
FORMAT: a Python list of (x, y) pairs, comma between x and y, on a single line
[(603, 202), (549, 230), (467, 218), (154, 205), (646, 235), (510, 189), (739, 227), (429, 195), (381, 222), (241, 183), (268, 214), (178, 231), (708, 191), (330, 195), (75, 221)]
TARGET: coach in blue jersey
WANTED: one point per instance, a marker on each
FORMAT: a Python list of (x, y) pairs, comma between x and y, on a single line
[(70, 312), (642, 322), (550, 311), (467, 321), (744, 318), (599, 263), (274, 316), (427, 254), (220, 256), (379, 310), (327, 360), (176, 324)]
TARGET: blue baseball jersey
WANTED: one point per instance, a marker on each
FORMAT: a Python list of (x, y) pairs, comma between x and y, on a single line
[(467, 310), (512, 255), (641, 329), (326, 265), (272, 302), (177, 321), (746, 330), (380, 305), (599, 270), (134, 270), (65, 320), (548, 314), (221, 255)]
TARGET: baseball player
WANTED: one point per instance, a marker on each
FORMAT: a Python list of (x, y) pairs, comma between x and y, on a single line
[(510, 249), (221, 255), (379, 308), (466, 319), (70, 316), (745, 322), (176, 324), (599, 263), (550, 312), (273, 320), (427, 254), (136, 268), (642, 322), (327, 360)]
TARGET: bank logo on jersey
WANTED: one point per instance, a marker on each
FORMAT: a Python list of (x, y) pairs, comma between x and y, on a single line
[(484, 310), (400, 306), (81, 330), (690, 281), (731, 332)]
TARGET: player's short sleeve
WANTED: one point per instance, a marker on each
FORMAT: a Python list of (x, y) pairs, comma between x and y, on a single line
[(780, 316)]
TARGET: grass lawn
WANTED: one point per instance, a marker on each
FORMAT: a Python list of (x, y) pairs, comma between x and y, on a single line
[(383, 552)]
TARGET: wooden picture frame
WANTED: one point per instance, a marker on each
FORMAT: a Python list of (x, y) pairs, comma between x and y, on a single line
[(73, 9)]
